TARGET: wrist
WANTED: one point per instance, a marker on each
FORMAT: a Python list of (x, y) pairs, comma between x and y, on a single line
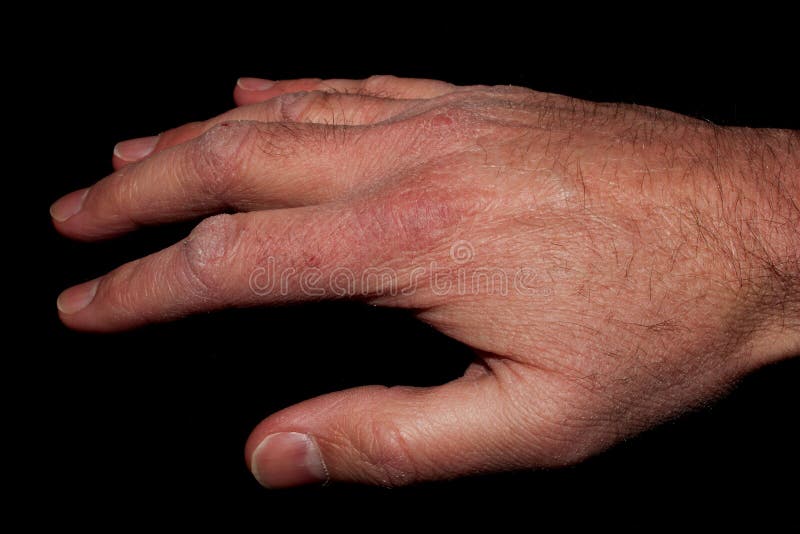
[(759, 199)]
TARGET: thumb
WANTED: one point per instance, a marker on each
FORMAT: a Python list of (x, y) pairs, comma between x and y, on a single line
[(395, 436)]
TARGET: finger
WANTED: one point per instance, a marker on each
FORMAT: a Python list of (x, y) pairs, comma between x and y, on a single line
[(396, 436), (241, 165), (228, 260), (315, 107), (339, 249), (254, 90)]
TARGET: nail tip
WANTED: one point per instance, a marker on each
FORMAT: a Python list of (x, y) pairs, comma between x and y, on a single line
[(136, 149), (254, 463), (66, 207), (247, 83), (62, 308), (89, 290), (288, 459), (55, 216)]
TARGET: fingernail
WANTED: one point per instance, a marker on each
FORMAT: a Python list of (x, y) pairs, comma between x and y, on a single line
[(254, 84), (288, 459), (135, 149), (68, 205), (77, 297)]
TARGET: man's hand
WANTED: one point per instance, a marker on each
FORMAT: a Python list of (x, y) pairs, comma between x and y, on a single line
[(611, 265)]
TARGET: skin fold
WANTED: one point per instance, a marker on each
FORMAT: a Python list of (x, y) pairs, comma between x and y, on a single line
[(611, 265)]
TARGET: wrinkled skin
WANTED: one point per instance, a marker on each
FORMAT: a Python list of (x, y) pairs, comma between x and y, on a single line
[(642, 260)]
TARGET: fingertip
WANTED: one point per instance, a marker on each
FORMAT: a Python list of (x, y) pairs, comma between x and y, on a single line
[(135, 149), (251, 90), (68, 206), (76, 298), (76, 309), (254, 84), (288, 459), (242, 97)]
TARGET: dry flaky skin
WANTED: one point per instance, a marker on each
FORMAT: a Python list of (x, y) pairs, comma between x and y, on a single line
[(659, 254)]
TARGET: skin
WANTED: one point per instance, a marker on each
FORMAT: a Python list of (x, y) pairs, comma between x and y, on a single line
[(650, 260)]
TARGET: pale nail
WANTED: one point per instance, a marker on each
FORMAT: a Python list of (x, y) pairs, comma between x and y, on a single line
[(288, 459), (254, 84), (135, 149), (77, 297), (68, 205)]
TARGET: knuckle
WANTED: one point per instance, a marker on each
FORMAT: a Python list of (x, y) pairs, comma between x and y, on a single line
[(385, 449), (327, 109), (207, 251), (478, 106), (221, 155), (380, 84), (304, 105), (453, 111), (288, 139)]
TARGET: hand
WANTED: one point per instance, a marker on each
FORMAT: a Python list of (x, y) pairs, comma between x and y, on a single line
[(611, 265)]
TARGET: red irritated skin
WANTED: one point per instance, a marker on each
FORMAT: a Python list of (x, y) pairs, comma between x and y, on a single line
[(611, 265)]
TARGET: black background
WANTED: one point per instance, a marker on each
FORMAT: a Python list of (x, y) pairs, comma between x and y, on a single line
[(150, 425)]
